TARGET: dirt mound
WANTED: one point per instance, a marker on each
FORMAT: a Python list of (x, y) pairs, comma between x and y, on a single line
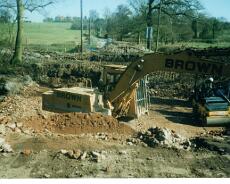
[(78, 123)]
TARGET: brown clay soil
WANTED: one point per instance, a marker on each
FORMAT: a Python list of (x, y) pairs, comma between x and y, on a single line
[(78, 123)]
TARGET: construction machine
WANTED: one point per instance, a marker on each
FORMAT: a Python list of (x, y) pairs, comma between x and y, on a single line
[(211, 103), (122, 90)]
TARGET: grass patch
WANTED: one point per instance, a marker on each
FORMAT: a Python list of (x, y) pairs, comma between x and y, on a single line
[(50, 33), (45, 36)]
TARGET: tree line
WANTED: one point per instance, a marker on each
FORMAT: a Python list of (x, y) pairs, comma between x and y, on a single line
[(168, 21), (165, 21), (63, 19)]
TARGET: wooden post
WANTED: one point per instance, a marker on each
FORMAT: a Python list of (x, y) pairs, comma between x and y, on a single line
[(81, 28)]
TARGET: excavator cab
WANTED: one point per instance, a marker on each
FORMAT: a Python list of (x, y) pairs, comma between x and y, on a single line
[(110, 77), (139, 100)]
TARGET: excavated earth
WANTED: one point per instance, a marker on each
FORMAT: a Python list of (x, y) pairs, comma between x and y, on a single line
[(75, 145), (77, 123)]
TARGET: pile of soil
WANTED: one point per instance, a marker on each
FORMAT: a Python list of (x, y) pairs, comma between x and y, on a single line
[(77, 123), (66, 74), (171, 84)]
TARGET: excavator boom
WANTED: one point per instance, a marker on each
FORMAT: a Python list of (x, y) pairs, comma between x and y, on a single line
[(182, 62)]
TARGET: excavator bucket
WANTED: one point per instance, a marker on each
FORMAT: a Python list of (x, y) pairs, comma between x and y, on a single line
[(74, 99)]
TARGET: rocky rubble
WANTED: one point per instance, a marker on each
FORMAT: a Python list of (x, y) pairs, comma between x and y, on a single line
[(102, 136), (133, 141), (164, 137), (74, 154), (219, 144), (14, 85), (97, 157), (77, 154), (15, 109), (4, 147), (123, 48), (171, 84)]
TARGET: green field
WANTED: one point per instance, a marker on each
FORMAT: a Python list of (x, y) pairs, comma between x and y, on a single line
[(49, 36), (50, 33), (59, 37)]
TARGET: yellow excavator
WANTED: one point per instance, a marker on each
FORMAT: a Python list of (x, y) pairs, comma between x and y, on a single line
[(123, 90)]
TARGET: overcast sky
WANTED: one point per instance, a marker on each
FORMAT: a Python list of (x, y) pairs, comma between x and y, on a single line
[(216, 8)]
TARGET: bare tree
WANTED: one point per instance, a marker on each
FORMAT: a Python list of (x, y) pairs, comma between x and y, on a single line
[(17, 57), (107, 15), (20, 6), (170, 8), (93, 17), (7, 4)]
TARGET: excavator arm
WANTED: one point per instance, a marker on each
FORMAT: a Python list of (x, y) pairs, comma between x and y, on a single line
[(182, 62)]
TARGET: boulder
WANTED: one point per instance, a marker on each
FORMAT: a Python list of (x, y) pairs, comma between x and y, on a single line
[(97, 157), (77, 154), (63, 151), (83, 156), (12, 126), (6, 148)]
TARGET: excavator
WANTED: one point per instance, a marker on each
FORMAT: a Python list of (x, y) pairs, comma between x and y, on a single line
[(123, 90)]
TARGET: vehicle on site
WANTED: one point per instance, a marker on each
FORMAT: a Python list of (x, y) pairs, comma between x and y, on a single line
[(211, 103), (123, 90)]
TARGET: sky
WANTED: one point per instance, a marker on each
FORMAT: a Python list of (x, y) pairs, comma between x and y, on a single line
[(72, 8), (216, 8)]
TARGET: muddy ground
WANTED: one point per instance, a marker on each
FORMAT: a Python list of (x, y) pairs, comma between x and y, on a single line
[(49, 145)]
